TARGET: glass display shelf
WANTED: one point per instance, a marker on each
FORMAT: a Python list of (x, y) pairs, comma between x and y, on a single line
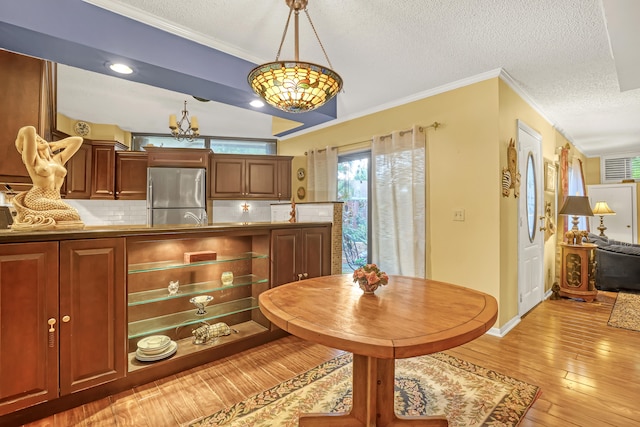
[(168, 265), (190, 289), (186, 346), (156, 325)]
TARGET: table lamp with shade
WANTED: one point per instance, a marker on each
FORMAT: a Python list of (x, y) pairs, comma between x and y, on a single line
[(601, 209), (576, 206)]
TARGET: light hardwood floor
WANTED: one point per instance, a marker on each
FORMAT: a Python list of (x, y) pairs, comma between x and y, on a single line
[(588, 373)]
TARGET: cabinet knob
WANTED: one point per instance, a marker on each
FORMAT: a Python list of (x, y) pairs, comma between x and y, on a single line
[(306, 275), (66, 319), (110, 192), (300, 276), (68, 191)]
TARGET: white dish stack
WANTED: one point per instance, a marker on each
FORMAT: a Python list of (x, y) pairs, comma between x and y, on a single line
[(155, 347)]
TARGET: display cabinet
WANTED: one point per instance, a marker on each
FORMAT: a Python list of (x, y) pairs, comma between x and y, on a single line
[(577, 275), (166, 275)]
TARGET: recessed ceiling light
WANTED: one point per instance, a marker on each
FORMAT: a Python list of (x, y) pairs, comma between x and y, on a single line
[(257, 103), (121, 68)]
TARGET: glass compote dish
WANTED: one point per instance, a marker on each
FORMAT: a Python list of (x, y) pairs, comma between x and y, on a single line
[(201, 302)]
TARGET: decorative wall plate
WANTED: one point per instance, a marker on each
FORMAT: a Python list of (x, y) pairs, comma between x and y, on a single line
[(302, 193), (82, 128), (301, 174)]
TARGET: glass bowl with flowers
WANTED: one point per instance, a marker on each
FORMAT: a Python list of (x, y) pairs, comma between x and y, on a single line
[(369, 278)]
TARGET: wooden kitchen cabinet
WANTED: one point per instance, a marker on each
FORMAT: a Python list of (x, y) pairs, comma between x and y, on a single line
[(60, 336), (250, 177), (103, 158), (284, 178), (131, 175), (105, 290), (77, 183), (28, 300), (92, 313), (28, 93), (300, 253)]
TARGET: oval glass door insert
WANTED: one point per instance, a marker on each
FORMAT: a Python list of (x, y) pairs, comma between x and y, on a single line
[(532, 203)]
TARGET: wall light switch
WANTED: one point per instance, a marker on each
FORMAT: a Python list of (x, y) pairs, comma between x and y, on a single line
[(458, 214)]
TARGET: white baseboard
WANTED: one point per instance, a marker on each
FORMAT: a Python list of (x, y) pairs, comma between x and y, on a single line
[(504, 330)]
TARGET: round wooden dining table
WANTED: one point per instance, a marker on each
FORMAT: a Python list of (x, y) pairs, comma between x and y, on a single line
[(408, 317)]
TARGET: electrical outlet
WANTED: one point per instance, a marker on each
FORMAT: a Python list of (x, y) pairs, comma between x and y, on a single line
[(458, 214)]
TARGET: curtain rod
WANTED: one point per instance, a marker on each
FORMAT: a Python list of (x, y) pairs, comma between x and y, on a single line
[(434, 125)]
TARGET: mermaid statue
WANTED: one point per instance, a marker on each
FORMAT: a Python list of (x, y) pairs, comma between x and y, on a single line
[(41, 207)]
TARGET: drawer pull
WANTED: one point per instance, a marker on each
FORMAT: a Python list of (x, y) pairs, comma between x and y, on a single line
[(52, 331)]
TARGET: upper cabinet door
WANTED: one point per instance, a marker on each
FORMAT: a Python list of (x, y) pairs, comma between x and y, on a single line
[(27, 90), (77, 183), (227, 177), (103, 170), (131, 175), (261, 179)]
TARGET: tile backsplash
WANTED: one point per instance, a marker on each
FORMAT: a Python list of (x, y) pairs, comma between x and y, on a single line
[(133, 212), (110, 212), (311, 212), (232, 211)]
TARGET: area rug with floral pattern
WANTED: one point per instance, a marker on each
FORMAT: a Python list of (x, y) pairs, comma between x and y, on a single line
[(626, 312), (467, 394)]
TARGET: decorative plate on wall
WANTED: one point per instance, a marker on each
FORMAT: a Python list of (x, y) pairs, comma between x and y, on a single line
[(82, 128), (301, 174), (302, 193)]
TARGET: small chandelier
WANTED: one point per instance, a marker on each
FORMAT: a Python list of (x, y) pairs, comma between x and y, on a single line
[(294, 86), (185, 128)]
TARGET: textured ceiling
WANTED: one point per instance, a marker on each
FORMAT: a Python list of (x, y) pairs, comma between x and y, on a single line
[(557, 51)]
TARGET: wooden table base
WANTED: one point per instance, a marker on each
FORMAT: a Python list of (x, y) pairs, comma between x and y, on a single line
[(373, 400)]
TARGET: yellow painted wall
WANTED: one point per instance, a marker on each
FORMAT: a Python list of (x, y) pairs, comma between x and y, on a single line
[(100, 132), (513, 108), (466, 155), (463, 173)]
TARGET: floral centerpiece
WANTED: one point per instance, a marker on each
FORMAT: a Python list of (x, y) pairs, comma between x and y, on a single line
[(369, 277)]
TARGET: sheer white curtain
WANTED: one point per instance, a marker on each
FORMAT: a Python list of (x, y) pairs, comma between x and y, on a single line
[(576, 187), (322, 174), (398, 202)]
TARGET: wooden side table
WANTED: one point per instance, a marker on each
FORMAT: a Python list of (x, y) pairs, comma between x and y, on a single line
[(577, 276)]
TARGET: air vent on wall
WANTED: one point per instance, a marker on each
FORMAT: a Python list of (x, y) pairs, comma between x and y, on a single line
[(618, 168)]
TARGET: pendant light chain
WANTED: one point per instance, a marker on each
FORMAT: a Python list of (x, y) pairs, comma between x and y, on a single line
[(284, 34), (306, 12)]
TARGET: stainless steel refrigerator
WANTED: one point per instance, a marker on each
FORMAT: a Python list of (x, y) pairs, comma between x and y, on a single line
[(176, 196)]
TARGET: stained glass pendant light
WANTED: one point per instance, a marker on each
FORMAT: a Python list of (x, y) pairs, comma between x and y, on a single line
[(295, 86)]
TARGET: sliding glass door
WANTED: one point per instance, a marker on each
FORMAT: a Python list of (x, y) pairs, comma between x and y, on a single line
[(354, 189)]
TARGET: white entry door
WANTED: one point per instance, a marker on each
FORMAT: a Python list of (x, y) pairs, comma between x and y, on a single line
[(530, 238)]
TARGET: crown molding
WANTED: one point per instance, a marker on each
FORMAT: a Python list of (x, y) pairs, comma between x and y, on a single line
[(398, 102), (167, 26)]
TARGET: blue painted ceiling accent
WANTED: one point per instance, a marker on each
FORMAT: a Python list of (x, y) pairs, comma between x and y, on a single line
[(81, 35)]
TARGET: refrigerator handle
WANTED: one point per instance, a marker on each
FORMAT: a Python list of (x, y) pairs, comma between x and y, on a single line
[(199, 183), (150, 203)]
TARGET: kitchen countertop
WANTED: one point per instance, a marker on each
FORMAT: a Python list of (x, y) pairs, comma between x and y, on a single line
[(93, 232)]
